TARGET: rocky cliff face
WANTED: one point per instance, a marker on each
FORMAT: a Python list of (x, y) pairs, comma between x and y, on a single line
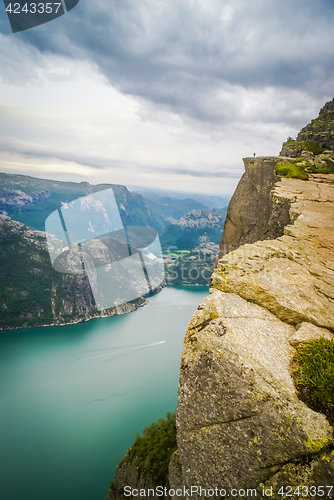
[(18, 198), (316, 138), (240, 421), (252, 214)]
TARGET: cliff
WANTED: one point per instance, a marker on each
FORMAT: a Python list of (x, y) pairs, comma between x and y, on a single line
[(240, 421), (32, 293), (252, 214)]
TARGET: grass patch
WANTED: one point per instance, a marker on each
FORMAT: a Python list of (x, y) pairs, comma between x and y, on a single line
[(291, 170), (314, 376), (152, 451), (178, 253), (312, 147), (323, 170), (296, 169)]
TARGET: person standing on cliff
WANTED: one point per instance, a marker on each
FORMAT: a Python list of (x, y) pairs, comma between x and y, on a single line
[(254, 155)]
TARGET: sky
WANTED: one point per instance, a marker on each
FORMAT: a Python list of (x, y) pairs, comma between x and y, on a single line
[(168, 94)]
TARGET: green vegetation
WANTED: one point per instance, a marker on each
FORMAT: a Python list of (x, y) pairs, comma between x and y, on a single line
[(297, 169), (153, 451), (314, 376), (308, 145), (26, 278), (291, 170), (178, 253), (323, 170), (312, 147)]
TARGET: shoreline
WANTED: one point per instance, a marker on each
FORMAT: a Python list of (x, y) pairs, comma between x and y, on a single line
[(115, 313)]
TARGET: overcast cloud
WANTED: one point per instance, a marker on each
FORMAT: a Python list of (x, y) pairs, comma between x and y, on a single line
[(148, 92)]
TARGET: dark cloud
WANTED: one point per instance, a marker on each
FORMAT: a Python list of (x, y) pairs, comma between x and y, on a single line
[(192, 56)]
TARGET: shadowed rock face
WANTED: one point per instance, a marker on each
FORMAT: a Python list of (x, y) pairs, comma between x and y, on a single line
[(252, 215), (240, 422)]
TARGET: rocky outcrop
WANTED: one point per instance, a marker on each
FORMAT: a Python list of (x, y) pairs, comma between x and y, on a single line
[(314, 138), (293, 275), (240, 421), (128, 474), (18, 198), (321, 130), (252, 214)]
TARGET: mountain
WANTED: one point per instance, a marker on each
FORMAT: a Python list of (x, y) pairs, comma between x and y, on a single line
[(172, 209), (194, 228), (209, 201), (32, 293), (240, 413), (31, 200)]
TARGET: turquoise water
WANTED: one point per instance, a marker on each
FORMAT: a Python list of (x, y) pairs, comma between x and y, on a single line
[(72, 398)]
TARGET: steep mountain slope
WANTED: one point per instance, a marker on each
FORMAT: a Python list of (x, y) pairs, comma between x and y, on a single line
[(32, 293)]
